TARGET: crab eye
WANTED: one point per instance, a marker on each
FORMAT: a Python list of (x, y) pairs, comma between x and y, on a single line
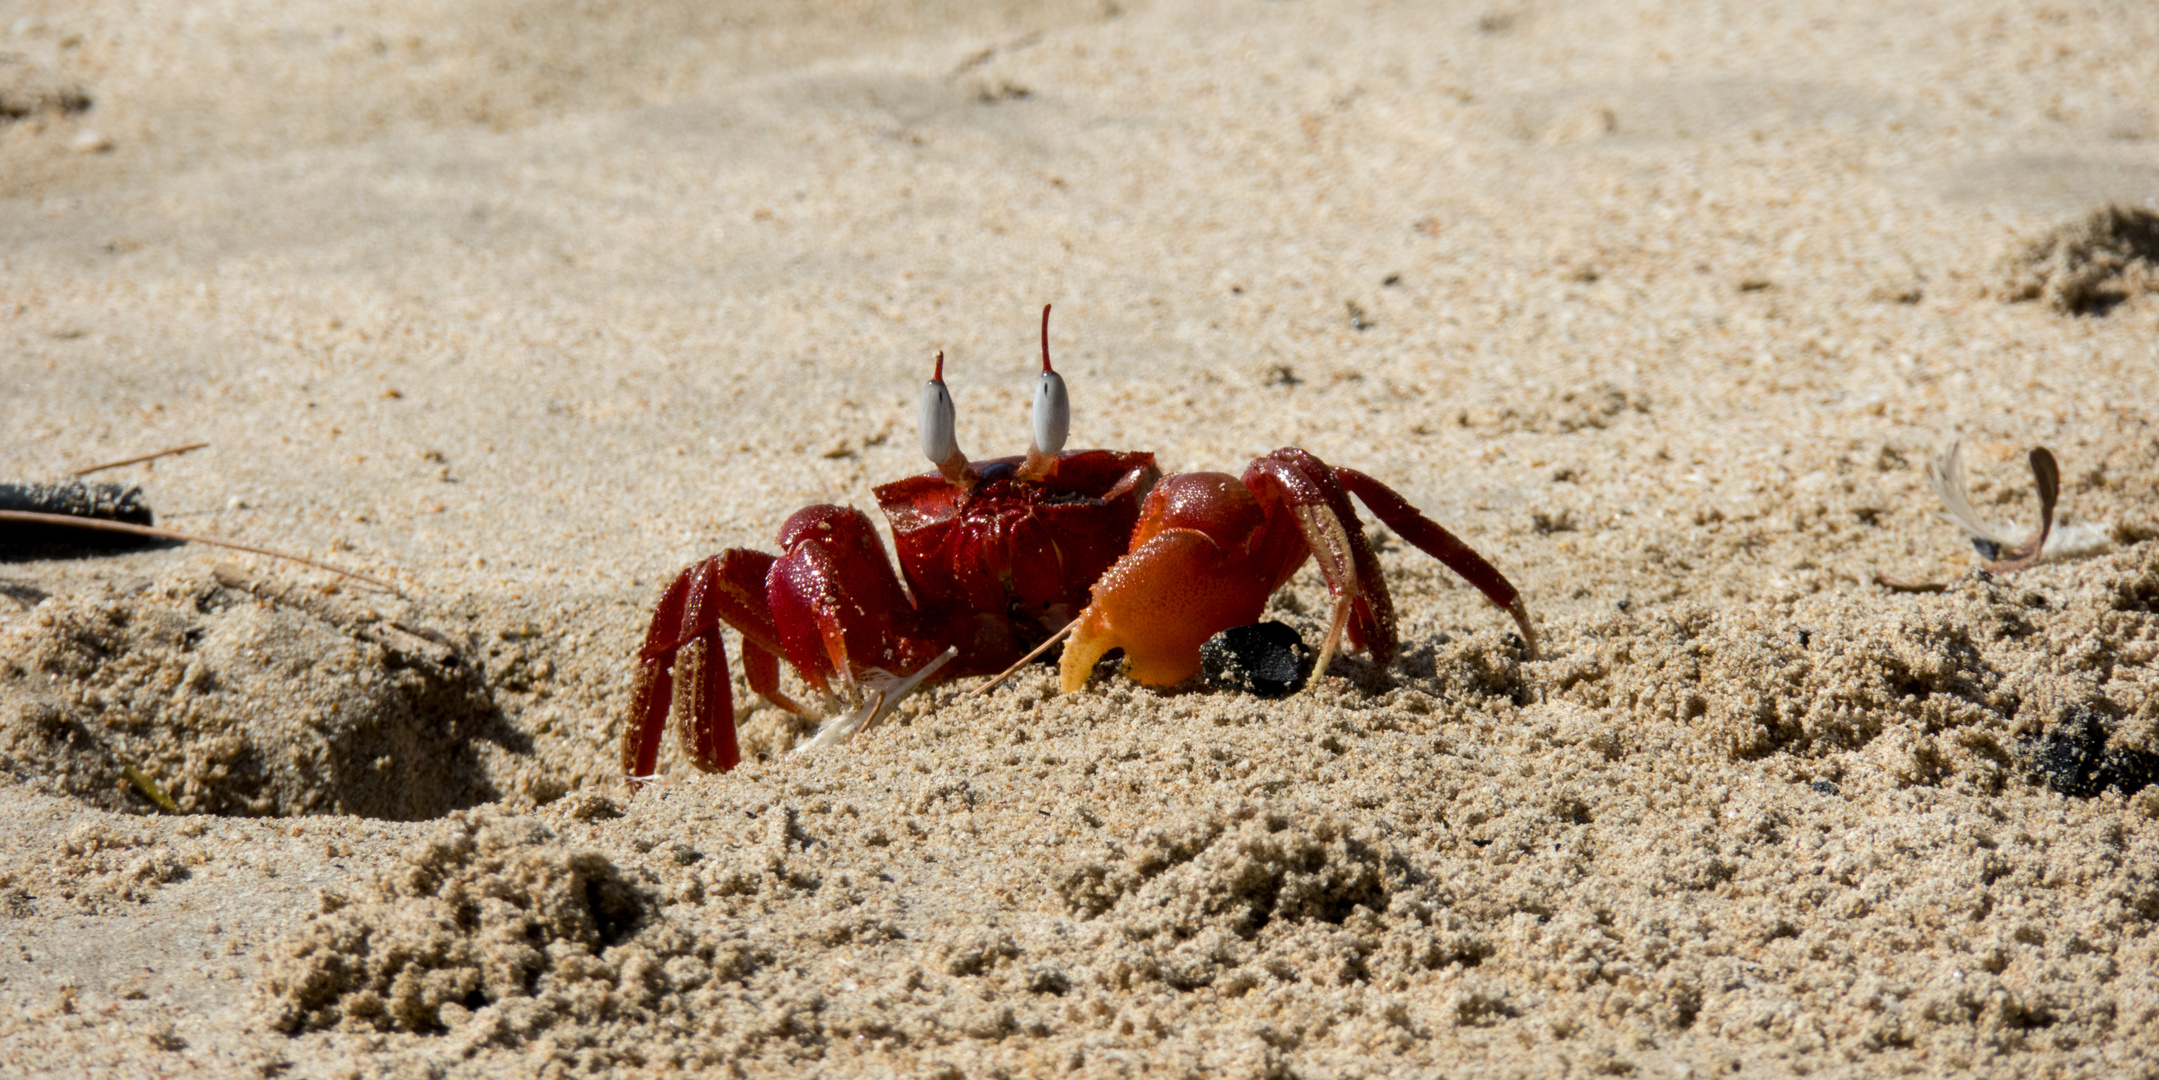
[(1053, 414), (936, 417), (1053, 411)]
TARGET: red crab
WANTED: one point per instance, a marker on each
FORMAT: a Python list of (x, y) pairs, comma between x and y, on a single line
[(1000, 558)]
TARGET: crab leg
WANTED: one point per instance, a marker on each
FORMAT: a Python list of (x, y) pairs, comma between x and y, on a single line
[(836, 600), (707, 728), (654, 692), (881, 693), (1434, 540), (1342, 608), (729, 588), (763, 669), (1292, 482)]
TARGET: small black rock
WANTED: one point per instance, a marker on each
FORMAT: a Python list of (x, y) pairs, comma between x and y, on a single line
[(74, 498), (1268, 660), (1826, 787), (2073, 758)]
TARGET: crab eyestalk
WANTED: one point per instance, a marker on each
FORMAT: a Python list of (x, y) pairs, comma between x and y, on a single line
[(1052, 412), (936, 418)]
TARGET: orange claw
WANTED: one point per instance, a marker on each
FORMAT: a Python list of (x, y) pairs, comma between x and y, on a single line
[(1202, 558), (1158, 606), (1210, 548)]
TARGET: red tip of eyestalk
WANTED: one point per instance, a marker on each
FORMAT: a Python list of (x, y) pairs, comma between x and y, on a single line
[(939, 374), (1045, 337)]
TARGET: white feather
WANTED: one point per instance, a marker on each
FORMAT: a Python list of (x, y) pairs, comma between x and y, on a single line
[(1946, 473), (2067, 541)]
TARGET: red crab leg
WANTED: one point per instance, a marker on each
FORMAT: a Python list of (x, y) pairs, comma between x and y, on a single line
[(708, 717), (837, 601), (654, 692), (1294, 481), (763, 669), (684, 616), (730, 588), (1390, 507)]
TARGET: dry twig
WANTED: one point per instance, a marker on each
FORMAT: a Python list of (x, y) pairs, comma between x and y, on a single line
[(140, 458), (391, 634), (29, 518)]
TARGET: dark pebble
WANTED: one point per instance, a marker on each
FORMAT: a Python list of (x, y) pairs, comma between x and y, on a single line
[(2072, 758), (74, 498), (1268, 660)]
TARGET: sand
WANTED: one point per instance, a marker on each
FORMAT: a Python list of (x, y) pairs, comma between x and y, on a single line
[(526, 306)]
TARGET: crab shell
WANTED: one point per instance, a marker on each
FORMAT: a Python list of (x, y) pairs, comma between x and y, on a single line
[(998, 567)]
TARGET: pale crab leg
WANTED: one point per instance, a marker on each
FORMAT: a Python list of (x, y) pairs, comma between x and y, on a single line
[(885, 691), (1342, 607)]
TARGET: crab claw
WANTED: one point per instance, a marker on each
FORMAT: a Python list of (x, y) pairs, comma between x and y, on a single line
[(1211, 548), (1193, 569)]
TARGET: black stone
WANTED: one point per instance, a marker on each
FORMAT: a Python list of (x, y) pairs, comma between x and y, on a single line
[(2072, 758), (1268, 660), (74, 498)]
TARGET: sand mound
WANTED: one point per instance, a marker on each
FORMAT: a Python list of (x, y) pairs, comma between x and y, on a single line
[(488, 911), (1660, 846), (1254, 894), (99, 867), (497, 934), (1242, 870), (2088, 265), (230, 704), (1967, 689)]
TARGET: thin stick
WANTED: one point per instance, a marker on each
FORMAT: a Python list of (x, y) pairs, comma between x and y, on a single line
[(1028, 659), (1895, 584), (170, 452), (29, 518)]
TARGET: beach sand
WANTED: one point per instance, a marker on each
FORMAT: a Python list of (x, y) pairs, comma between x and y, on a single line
[(1664, 309)]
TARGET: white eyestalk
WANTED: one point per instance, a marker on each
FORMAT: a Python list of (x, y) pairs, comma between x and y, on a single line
[(1053, 411), (936, 418)]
